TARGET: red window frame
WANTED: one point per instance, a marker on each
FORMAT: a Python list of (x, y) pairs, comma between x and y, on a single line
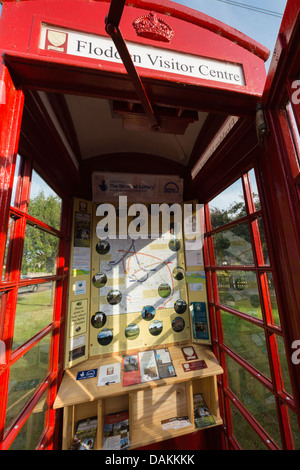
[(9, 290), (228, 399)]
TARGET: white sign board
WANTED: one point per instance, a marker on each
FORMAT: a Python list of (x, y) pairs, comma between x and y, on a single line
[(139, 188), (91, 46)]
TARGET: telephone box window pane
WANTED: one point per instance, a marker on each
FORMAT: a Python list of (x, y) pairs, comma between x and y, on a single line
[(284, 367), (258, 400), (295, 429), (263, 242), (39, 253), (233, 247), (272, 293), (8, 237), (238, 290), (228, 206), (246, 340), (34, 311), (16, 178), (243, 432), (294, 130), (31, 433), (25, 376), (44, 203), (254, 190)]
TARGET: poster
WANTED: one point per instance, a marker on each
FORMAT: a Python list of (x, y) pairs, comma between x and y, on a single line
[(138, 276), (79, 314), (199, 321)]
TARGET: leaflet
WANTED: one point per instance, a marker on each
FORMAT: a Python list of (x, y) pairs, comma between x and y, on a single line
[(109, 374), (146, 366), (116, 431)]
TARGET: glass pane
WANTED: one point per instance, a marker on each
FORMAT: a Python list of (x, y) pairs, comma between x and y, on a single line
[(228, 206), (255, 397), (295, 429), (44, 203), (274, 306), (25, 376), (238, 289), (254, 190), (294, 129), (31, 433), (247, 340), (233, 247), (34, 311), (264, 247), (284, 366), (39, 253), (8, 235), (243, 432), (16, 178)]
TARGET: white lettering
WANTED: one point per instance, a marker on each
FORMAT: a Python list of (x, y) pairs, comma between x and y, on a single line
[(296, 354), (296, 94), (97, 47)]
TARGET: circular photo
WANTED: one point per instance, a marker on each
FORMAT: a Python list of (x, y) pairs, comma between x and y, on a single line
[(155, 327), (178, 273), (148, 313), (102, 247), (114, 297), (105, 337), (178, 324), (99, 280), (164, 290), (180, 306), (98, 320), (174, 244), (132, 331)]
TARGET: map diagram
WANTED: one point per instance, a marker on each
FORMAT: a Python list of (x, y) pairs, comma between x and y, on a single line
[(137, 274)]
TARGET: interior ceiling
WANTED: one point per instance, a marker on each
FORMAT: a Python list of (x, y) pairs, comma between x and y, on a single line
[(101, 130)]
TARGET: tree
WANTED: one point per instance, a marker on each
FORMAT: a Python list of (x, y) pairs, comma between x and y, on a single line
[(40, 247)]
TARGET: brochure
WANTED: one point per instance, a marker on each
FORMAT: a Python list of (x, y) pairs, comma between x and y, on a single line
[(85, 433), (146, 366), (116, 431), (164, 363), (202, 414), (109, 374), (175, 423), (131, 370)]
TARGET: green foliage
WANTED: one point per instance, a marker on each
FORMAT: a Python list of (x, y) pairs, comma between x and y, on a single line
[(40, 247)]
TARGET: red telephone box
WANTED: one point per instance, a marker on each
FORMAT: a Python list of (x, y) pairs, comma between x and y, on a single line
[(150, 88)]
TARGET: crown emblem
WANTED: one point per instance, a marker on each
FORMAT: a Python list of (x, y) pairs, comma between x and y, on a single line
[(152, 27)]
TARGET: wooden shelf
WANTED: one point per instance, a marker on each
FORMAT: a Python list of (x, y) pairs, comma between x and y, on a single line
[(148, 403)]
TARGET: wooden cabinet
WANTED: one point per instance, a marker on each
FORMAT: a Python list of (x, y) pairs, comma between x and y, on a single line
[(148, 403)]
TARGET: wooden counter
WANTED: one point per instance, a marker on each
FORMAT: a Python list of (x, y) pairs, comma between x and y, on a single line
[(148, 403)]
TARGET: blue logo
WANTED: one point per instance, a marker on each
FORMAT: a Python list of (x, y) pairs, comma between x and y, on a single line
[(87, 374), (171, 188), (103, 186)]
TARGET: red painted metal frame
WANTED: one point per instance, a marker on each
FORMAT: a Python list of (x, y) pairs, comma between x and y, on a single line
[(277, 148), (10, 122), (194, 35), (275, 384)]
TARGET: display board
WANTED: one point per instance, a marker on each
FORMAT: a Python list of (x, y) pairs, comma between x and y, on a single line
[(128, 294), (139, 294), (77, 337)]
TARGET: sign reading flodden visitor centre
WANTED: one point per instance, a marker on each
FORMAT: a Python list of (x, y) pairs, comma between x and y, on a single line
[(91, 46)]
